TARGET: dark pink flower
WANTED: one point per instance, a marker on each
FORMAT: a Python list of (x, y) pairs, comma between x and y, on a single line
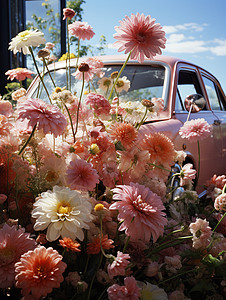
[(47, 117), (195, 130), (39, 271), (141, 36), (129, 291), (140, 210), (98, 103), (118, 267), (68, 13), (82, 30), (19, 73), (6, 108)]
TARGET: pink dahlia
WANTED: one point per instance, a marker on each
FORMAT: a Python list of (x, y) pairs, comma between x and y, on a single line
[(39, 271), (140, 210), (129, 291), (195, 130), (220, 202), (81, 175), (19, 73), (6, 108), (98, 103), (141, 36), (118, 267), (68, 13), (13, 243), (82, 30), (47, 117)]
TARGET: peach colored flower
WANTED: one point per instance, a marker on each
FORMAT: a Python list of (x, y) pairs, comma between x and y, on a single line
[(124, 132), (47, 117), (69, 244), (19, 94), (187, 174), (98, 103), (217, 181), (41, 239), (220, 202), (195, 130), (13, 243), (68, 13), (82, 30), (19, 74), (201, 233), (6, 108), (81, 175), (118, 266), (160, 147), (129, 291), (141, 211), (141, 36), (49, 46), (39, 271), (94, 246)]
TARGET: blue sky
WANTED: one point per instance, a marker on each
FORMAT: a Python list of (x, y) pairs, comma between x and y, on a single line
[(195, 29)]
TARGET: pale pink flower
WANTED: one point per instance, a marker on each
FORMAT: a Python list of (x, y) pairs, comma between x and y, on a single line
[(5, 126), (195, 130), (19, 73), (81, 175), (39, 271), (187, 174), (13, 243), (129, 291), (109, 173), (220, 202), (140, 210), (141, 36), (6, 108), (152, 269), (47, 117), (176, 295), (49, 46), (98, 103), (201, 233), (16, 95), (89, 67), (82, 30), (218, 245), (173, 263), (68, 13), (118, 266)]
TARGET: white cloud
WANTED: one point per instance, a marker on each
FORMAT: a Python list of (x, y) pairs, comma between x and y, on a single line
[(182, 27), (220, 47)]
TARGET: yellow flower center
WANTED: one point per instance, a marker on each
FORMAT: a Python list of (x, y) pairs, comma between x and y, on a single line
[(120, 83), (98, 207), (94, 149), (24, 34), (6, 256), (57, 89), (64, 210)]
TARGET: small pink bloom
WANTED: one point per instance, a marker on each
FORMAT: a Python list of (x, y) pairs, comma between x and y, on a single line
[(195, 130), (49, 46), (98, 103), (140, 210), (129, 291), (68, 13), (187, 174), (5, 126), (141, 36), (201, 233), (81, 175), (82, 30), (47, 117), (220, 202), (13, 243), (3, 198), (6, 108), (118, 267), (19, 73), (39, 271), (89, 67)]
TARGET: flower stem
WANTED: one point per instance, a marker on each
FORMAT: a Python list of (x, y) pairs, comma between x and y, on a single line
[(45, 64), (80, 99), (198, 160), (78, 54), (119, 74), (33, 57), (69, 115), (69, 57), (28, 140)]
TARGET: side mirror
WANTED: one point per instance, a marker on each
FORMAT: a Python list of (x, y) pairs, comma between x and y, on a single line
[(194, 103)]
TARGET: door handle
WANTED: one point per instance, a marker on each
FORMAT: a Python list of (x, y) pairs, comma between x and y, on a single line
[(217, 122)]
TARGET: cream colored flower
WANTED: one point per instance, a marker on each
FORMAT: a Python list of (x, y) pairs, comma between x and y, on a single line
[(123, 84), (105, 84), (64, 212), (25, 39), (151, 291)]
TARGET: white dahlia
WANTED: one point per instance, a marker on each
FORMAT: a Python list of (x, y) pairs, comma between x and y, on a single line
[(64, 212), (25, 39)]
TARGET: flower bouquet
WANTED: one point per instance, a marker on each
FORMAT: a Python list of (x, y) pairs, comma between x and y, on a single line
[(87, 210)]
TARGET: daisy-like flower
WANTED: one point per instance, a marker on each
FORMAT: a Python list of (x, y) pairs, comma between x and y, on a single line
[(63, 212), (151, 291), (128, 291), (195, 130), (69, 244), (13, 243), (81, 175), (25, 39), (105, 84), (39, 271), (68, 13), (94, 246), (201, 233), (141, 211), (187, 174), (118, 266), (220, 202), (19, 74), (47, 117), (123, 132), (98, 103), (122, 84), (141, 36), (82, 30)]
